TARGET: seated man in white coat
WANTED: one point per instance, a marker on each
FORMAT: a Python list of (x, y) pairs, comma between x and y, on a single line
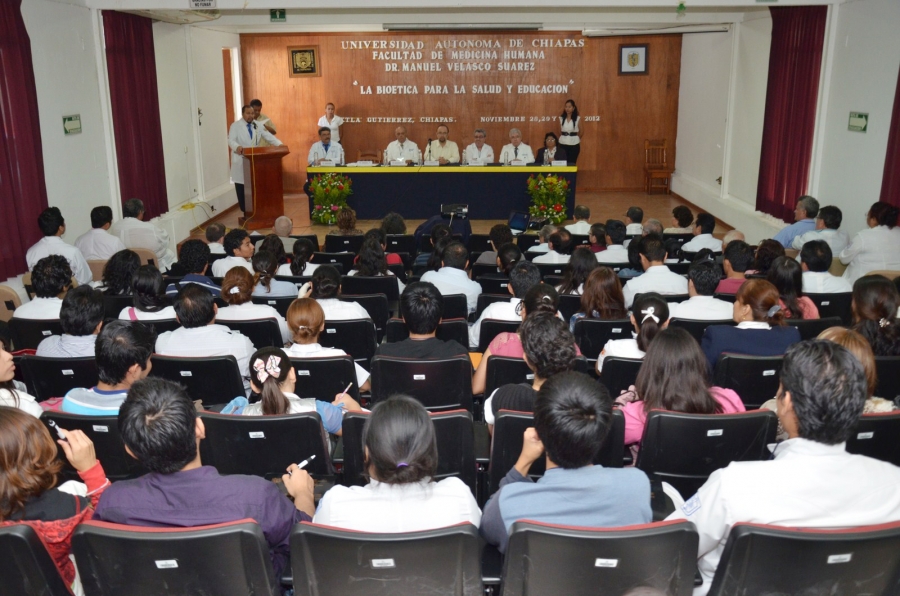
[(97, 244), (239, 250), (516, 150), (657, 277), (812, 482), (53, 226), (246, 132), (134, 232), (479, 151), (402, 148), (703, 277), (815, 259), (703, 238), (325, 149), (828, 222), (452, 278)]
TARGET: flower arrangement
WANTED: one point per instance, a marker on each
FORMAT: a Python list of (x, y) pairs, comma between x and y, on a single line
[(329, 192), (548, 197)]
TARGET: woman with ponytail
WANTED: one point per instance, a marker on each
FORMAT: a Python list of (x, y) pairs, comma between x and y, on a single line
[(649, 316), (237, 288), (264, 266), (401, 461), (877, 248), (325, 288), (300, 265), (875, 302), (273, 377)]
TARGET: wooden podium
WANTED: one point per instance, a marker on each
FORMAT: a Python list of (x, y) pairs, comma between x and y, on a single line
[(263, 186)]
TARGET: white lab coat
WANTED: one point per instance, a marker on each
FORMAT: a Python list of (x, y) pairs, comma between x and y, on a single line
[(317, 151), (239, 137), (508, 153), (874, 249)]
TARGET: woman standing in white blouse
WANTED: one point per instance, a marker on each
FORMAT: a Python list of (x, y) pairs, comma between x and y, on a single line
[(332, 121), (877, 248), (570, 131)]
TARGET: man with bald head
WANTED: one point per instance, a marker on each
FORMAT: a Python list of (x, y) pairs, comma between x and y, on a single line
[(402, 148), (516, 149), (442, 150)]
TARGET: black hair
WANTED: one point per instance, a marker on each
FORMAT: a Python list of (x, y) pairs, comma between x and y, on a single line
[(273, 244), (648, 328), (577, 270), (581, 212), (255, 103), (551, 135), (635, 214), (372, 261), (598, 231), (541, 298), (132, 208), (194, 306), (119, 271), (215, 232), (82, 310), (831, 216), (556, 240), (683, 215), (440, 231), (816, 254), (194, 256), (509, 254), (422, 307), (828, 389), (264, 265), (653, 248), (706, 223), (572, 415), (437, 254), (884, 214), (455, 255), (393, 223), (323, 129), (51, 276), (158, 425), (50, 220), (615, 229), (875, 303), (523, 277), (501, 234), (706, 276), (401, 442), (273, 401), (633, 250), (302, 253), (233, 241), (766, 253), (326, 282), (548, 344), (574, 111), (786, 275), (378, 234), (739, 254), (100, 216), (120, 345), (149, 289)]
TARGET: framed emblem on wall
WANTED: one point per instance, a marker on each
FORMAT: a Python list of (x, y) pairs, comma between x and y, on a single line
[(304, 61), (633, 59)]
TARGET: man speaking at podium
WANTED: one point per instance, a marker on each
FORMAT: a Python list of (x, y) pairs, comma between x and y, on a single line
[(245, 133), (442, 150), (324, 148)]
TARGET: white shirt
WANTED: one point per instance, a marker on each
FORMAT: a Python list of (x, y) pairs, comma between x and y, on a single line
[(135, 233), (702, 241), (822, 282), (620, 348), (449, 280), (209, 340), (501, 311), (67, 346), (540, 248), (317, 152), (394, 508), (634, 229), (39, 308), (239, 136), (569, 126), (334, 125), (54, 245), (286, 270), (26, 403), (807, 485), (435, 151), (400, 284), (484, 155), (248, 311), (551, 257), (338, 310), (615, 254), (702, 308), (222, 266), (409, 151), (874, 249), (317, 351), (836, 239), (580, 227), (168, 313), (509, 153), (98, 245), (216, 248), (655, 279)]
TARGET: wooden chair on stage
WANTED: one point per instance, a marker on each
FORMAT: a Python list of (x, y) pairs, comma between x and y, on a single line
[(369, 155), (656, 166)]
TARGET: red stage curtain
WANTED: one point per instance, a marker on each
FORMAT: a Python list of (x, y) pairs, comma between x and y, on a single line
[(23, 192), (795, 59), (890, 182), (131, 65)]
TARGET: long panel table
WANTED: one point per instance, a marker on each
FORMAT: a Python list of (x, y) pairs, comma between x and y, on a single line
[(418, 192)]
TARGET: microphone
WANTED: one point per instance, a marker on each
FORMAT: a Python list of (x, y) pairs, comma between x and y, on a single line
[(254, 125)]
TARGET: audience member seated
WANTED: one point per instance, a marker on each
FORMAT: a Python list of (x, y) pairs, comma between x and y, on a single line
[(555, 252), (306, 320), (766, 253), (572, 415), (432, 260), (673, 377), (522, 278), (392, 258), (805, 221), (264, 266), (500, 234), (53, 226), (597, 237), (283, 227), (239, 249), (682, 218), (118, 273), (237, 288), (299, 265), (81, 318), (393, 223), (123, 358), (151, 303), (325, 288), (875, 302), (97, 244), (635, 268), (652, 226), (812, 482), (730, 236), (703, 277), (582, 217), (656, 277), (421, 307), (877, 248), (199, 336), (577, 270), (346, 222), (373, 263), (507, 257), (815, 259), (214, 234), (633, 218), (274, 379), (615, 253), (452, 278), (703, 238), (51, 278), (401, 461), (161, 430), (602, 298), (134, 232), (10, 395), (543, 238), (272, 243), (194, 261), (760, 329), (786, 275), (736, 259), (30, 464), (650, 315), (828, 221)]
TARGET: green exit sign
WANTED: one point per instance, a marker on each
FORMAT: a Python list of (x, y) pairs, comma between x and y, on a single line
[(72, 124), (278, 15), (859, 122)]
